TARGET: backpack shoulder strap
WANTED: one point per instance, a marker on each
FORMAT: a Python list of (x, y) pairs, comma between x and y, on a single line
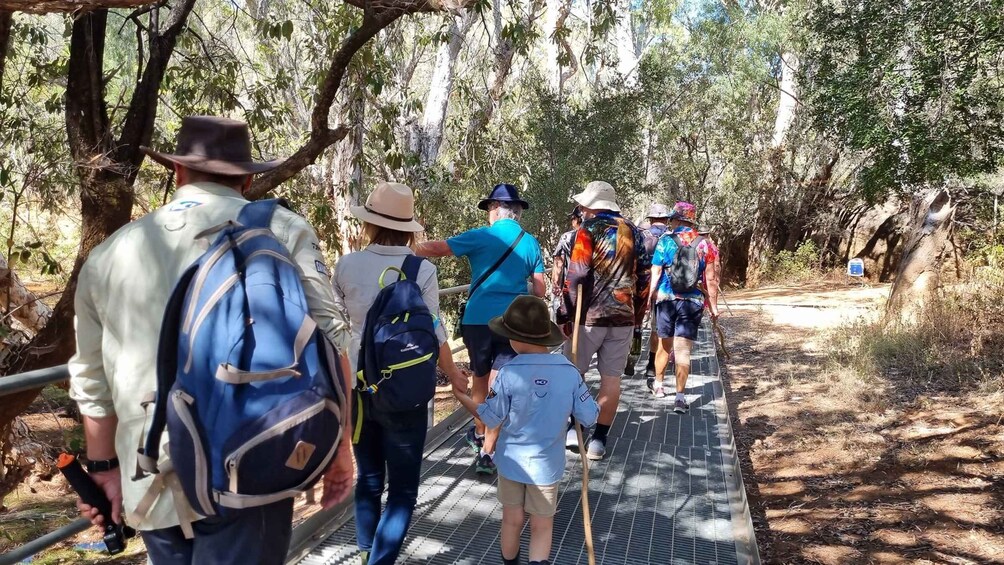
[(258, 214), (484, 276), (411, 266)]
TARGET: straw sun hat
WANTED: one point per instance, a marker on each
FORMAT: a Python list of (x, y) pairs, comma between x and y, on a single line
[(390, 205)]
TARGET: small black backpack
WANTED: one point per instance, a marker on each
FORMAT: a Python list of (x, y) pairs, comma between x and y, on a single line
[(686, 270)]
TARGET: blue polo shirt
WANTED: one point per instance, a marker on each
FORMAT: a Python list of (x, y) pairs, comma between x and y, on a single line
[(483, 247), (531, 399)]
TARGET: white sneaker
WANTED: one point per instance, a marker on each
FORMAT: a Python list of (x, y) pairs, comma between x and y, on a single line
[(572, 441), (597, 449)]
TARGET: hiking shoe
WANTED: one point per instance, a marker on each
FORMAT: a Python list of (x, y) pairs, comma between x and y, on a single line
[(596, 449), (658, 391), (474, 441), (484, 465), (681, 407), (572, 440)]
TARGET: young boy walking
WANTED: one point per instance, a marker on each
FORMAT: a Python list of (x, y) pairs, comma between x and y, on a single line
[(531, 399)]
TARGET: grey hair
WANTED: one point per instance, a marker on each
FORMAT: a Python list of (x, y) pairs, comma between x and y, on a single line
[(510, 210)]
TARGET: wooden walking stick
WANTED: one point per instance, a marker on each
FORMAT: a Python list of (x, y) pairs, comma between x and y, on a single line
[(587, 524)]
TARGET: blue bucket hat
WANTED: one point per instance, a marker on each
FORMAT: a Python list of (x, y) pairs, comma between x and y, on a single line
[(503, 193)]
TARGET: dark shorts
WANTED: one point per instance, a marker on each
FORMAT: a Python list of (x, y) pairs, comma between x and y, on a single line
[(486, 349), (678, 318)]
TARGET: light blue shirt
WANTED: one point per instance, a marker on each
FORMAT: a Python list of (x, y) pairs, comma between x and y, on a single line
[(531, 399), (483, 247)]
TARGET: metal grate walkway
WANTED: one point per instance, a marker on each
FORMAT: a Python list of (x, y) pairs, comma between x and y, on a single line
[(668, 492)]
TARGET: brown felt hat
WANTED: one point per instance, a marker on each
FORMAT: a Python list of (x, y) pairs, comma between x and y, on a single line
[(527, 320), (214, 145)]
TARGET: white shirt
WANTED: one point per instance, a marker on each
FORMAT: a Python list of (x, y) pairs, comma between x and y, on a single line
[(121, 296), (357, 283)]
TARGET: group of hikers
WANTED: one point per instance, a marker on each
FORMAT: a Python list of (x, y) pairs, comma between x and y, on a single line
[(187, 318)]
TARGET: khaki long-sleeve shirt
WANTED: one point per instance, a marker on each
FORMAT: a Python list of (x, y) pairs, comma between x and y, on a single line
[(122, 292)]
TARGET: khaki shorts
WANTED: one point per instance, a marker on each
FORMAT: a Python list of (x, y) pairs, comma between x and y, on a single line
[(611, 347), (536, 500)]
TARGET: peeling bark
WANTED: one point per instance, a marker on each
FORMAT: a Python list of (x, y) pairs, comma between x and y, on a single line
[(919, 274), (24, 306)]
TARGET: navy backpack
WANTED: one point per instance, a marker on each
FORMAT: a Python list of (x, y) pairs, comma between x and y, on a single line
[(249, 389), (399, 349)]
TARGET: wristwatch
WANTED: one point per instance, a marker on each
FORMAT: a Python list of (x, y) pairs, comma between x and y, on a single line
[(103, 465)]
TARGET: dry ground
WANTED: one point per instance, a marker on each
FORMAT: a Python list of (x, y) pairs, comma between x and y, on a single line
[(849, 468)]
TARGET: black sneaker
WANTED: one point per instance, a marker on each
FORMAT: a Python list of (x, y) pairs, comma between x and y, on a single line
[(472, 439), (513, 561), (484, 465), (650, 382)]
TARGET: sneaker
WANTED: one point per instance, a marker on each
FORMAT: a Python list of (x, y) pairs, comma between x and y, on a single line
[(365, 556), (572, 440), (474, 441), (596, 449), (484, 465), (658, 391), (649, 373), (681, 407), (650, 382), (513, 561), (629, 370)]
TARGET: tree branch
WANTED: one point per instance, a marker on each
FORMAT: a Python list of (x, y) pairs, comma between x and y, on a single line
[(75, 6)]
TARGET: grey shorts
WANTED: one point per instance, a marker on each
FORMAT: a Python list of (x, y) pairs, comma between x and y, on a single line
[(610, 346)]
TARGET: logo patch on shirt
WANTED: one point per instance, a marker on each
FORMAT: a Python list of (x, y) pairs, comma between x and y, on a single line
[(492, 393), (584, 396), (321, 267), (184, 205), (540, 382)]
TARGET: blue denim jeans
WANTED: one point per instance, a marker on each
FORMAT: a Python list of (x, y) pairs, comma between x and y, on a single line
[(253, 536), (389, 448)]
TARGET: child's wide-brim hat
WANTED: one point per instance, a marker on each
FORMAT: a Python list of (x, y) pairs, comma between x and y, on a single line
[(527, 320), (390, 205)]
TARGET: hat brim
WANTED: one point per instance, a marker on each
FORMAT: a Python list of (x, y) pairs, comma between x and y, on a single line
[(584, 199), (212, 166), (553, 338), (365, 215), (487, 201)]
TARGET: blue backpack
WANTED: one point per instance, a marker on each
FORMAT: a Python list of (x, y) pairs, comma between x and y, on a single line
[(250, 391), (399, 349)]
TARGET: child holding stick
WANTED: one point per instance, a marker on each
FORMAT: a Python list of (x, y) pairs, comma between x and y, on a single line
[(531, 399)]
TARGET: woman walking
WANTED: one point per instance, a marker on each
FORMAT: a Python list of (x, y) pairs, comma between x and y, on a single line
[(389, 445)]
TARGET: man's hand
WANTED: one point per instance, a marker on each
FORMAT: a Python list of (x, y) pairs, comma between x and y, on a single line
[(111, 483), (338, 478)]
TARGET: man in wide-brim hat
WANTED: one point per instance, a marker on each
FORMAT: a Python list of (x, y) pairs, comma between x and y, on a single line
[(121, 298), (609, 264), (503, 258), (658, 224)]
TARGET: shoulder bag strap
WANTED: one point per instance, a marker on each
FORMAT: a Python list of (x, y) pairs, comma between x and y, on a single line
[(493, 268)]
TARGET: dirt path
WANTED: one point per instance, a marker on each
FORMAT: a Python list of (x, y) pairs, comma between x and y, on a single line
[(850, 468)]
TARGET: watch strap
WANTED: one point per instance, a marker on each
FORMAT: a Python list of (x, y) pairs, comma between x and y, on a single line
[(102, 465)]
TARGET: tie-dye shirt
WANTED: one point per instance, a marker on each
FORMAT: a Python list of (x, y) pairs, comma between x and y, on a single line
[(665, 251), (609, 261)]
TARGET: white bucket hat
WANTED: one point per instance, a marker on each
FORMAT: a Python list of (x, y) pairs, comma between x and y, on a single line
[(598, 195), (390, 205)]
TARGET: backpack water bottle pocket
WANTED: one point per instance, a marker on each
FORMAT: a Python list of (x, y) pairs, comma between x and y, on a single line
[(287, 448), (188, 452)]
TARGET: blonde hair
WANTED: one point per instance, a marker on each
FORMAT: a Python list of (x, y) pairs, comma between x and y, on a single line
[(387, 236)]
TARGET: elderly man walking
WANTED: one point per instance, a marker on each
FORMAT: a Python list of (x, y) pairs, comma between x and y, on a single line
[(120, 306), (684, 278), (658, 224), (503, 259), (609, 264)]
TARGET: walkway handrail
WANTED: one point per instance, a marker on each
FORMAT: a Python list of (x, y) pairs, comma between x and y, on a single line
[(54, 375)]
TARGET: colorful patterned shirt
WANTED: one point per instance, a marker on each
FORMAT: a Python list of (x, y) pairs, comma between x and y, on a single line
[(665, 251), (609, 261)]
